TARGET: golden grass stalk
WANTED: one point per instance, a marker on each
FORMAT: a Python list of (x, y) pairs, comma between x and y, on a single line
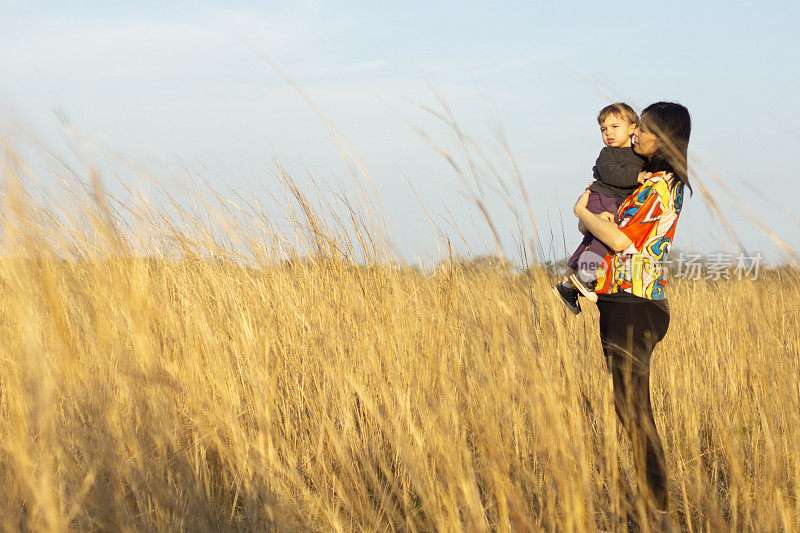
[(242, 376)]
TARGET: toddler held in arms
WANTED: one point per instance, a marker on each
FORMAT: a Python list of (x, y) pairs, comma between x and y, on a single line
[(617, 173)]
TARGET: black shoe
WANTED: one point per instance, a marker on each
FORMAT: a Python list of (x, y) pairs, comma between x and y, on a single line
[(568, 295), (586, 289)]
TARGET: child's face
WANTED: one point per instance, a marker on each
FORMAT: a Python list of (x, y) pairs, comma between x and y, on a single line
[(616, 131)]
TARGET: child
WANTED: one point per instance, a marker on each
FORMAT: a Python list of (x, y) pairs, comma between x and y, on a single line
[(617, 173)]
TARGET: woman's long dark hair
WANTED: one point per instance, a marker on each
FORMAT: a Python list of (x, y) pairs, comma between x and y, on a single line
[(671, 123)]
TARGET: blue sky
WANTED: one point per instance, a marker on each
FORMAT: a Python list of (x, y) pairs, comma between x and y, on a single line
[(183, 85)]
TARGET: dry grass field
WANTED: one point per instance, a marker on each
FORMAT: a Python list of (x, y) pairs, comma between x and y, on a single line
[(185, 390)]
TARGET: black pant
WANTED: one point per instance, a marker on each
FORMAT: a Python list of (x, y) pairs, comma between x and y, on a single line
[(629, 331)]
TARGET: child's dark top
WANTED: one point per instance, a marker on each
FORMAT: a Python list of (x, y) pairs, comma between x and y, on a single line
[(616, 172)]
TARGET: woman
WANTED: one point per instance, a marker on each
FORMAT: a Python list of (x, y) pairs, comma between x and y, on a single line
[(634, 314)]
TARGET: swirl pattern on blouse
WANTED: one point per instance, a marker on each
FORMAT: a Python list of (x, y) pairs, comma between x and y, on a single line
[(648, 217)]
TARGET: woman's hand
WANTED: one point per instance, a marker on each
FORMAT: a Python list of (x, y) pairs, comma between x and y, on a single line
[(580, 205)]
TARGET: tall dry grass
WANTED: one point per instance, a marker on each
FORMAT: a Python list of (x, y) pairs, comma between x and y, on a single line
[(154, 379)]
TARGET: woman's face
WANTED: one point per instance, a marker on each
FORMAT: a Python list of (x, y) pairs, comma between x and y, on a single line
[(644, 141)]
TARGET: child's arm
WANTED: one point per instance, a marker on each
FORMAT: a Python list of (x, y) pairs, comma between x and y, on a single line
[(612, 169)]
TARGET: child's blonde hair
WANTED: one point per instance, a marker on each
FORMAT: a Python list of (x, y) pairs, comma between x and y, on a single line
[(619, 110)]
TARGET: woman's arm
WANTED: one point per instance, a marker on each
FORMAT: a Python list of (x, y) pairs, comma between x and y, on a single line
[(602, 228), (605, 215)]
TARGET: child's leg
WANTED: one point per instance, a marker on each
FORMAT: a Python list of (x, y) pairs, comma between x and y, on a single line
[(572, 262), (599, 203), (591, 259), (567, 273), (595, 251)]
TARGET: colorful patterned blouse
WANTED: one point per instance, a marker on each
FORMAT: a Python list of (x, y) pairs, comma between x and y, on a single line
[(648, 217)]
